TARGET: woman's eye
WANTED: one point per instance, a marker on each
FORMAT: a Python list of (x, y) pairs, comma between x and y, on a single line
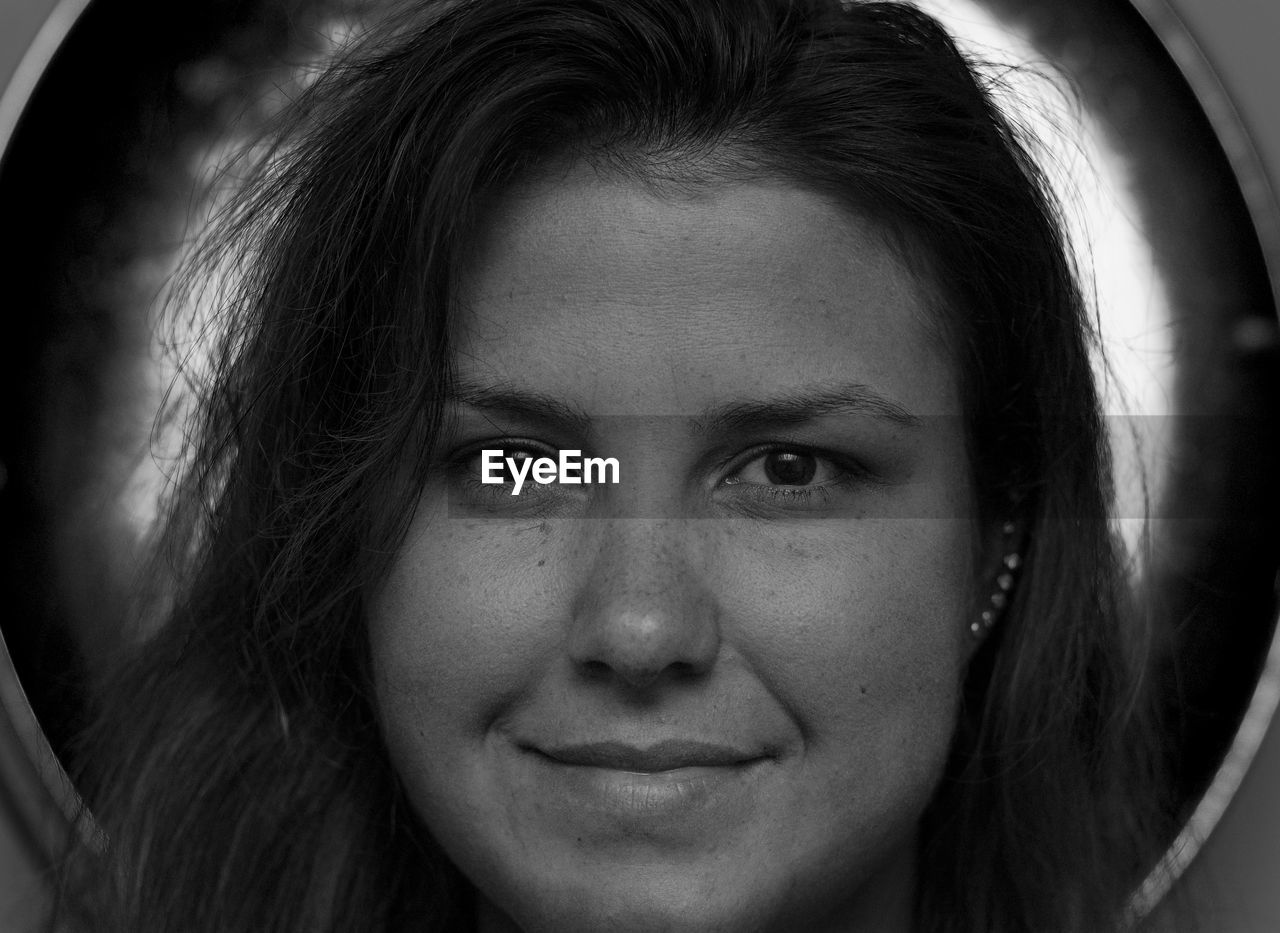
[(788, 468), (787, 480)]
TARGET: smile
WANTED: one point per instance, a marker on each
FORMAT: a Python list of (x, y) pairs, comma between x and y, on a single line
[(668, 787)]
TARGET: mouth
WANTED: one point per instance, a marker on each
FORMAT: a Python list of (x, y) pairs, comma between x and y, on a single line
[(677, 790), (667, 755)]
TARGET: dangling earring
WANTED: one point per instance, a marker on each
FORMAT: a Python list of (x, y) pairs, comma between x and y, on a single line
[(1005, 580)]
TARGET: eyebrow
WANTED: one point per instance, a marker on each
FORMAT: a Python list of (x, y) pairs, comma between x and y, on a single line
[(791, 408), (514, 402), (805, 404)]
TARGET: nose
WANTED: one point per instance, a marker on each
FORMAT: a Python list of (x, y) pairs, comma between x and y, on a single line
[(644, 611)]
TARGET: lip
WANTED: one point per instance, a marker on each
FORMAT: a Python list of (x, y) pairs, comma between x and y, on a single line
[(663, 756), (677, 790)]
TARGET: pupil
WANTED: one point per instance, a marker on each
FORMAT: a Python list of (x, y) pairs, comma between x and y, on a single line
[(790, 469)]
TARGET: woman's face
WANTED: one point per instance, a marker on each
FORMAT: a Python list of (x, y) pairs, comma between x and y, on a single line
[(718, 694)]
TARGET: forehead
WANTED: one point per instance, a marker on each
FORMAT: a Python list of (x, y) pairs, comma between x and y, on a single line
[(632, 300)]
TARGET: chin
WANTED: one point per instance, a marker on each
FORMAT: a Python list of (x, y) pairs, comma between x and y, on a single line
[(659, 900), (724, 896)]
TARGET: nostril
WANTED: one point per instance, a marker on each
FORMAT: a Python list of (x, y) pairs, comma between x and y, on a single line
[(634, 676), (595, 670)]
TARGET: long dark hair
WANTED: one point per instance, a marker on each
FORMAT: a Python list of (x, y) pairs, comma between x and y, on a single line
[(236, 764)]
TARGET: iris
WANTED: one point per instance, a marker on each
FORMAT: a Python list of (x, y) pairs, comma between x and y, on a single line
[(790, 468)]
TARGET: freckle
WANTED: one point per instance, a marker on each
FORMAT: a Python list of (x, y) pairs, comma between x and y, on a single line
[(542, 562)]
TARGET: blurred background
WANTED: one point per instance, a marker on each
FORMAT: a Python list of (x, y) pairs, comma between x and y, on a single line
[(113, 208)]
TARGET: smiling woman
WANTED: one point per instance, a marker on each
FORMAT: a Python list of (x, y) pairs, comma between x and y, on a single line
[(705, 710), (842, 649)]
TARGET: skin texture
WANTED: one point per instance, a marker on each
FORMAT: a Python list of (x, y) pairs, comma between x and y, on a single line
[(815, 631)]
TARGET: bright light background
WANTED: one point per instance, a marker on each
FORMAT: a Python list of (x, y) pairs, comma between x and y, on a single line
[(1135, 368)]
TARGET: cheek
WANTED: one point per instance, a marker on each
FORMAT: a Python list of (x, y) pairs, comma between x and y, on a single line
[(858, 627), (456, 630), (451, 647)]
